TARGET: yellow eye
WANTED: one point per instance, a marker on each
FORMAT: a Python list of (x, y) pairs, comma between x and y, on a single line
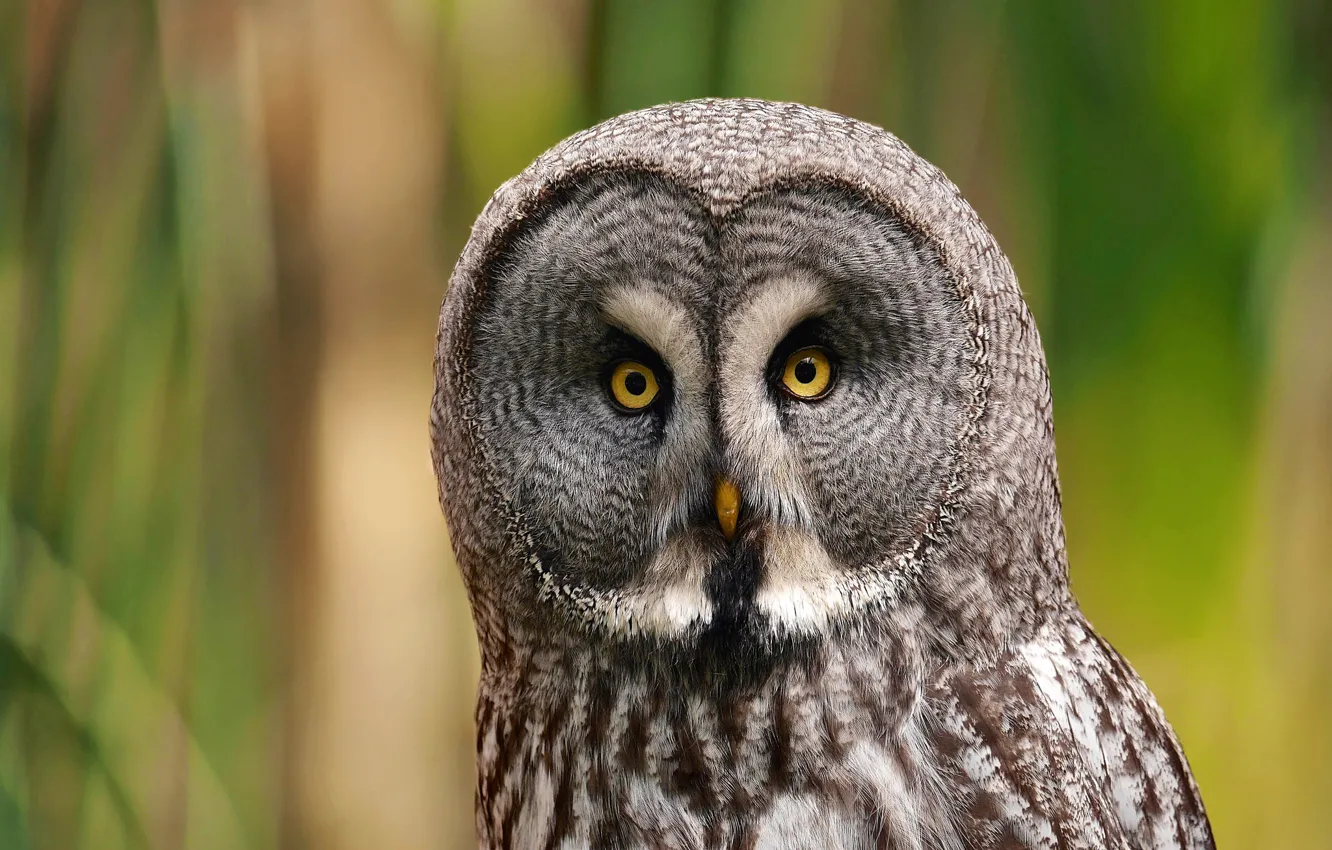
[(632, 385), (808, 374)]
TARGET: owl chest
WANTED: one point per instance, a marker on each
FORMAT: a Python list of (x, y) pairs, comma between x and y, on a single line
[(679, 789)]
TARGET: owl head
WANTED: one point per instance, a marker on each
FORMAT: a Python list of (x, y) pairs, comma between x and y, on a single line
[(742, 373)]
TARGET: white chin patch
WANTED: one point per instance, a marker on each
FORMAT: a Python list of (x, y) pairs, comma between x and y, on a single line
[(800, 592), (666, 612), (669, 599)]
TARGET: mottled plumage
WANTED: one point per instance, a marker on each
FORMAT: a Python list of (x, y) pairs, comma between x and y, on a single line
[(887, 654)]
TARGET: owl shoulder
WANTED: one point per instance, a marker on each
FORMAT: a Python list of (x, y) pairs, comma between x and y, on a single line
[(1058, 743)]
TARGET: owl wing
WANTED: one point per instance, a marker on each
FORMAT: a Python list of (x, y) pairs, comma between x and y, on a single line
[(1059, 744)]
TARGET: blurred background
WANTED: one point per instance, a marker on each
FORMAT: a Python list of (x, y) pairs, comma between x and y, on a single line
[(228, 616)]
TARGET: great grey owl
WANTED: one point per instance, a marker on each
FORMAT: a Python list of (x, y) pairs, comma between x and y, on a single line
[(743, 433)]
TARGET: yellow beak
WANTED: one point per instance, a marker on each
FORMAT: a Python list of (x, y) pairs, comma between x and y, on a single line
[(727, 501)]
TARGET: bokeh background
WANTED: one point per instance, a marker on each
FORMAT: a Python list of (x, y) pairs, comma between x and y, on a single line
[(228, 617)]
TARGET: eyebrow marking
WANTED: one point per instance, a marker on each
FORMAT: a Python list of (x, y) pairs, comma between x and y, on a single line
[(753, 432), (664, 325), (767, 318)]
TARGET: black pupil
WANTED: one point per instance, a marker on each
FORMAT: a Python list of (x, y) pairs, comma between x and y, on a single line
[(806, 371), (635, 383)]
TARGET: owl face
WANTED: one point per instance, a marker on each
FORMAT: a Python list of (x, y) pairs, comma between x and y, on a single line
[(635, 358)]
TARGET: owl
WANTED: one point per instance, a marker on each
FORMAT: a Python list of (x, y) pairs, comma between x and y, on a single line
[(743, 433)]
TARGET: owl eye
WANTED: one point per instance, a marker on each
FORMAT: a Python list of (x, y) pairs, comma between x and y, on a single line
[(808, 374), (633, 386)]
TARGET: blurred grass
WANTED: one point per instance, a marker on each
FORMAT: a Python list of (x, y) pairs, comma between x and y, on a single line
[(226, 613)]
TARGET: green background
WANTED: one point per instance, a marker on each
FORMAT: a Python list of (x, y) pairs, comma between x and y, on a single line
[(227, 612)]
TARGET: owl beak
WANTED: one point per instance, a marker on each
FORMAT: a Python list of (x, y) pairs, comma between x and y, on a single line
[(726, 499)]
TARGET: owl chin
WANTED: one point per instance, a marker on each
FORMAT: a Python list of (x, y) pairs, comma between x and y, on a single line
[(769, 588), (735, 632), (768, 583), (731, 585)]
